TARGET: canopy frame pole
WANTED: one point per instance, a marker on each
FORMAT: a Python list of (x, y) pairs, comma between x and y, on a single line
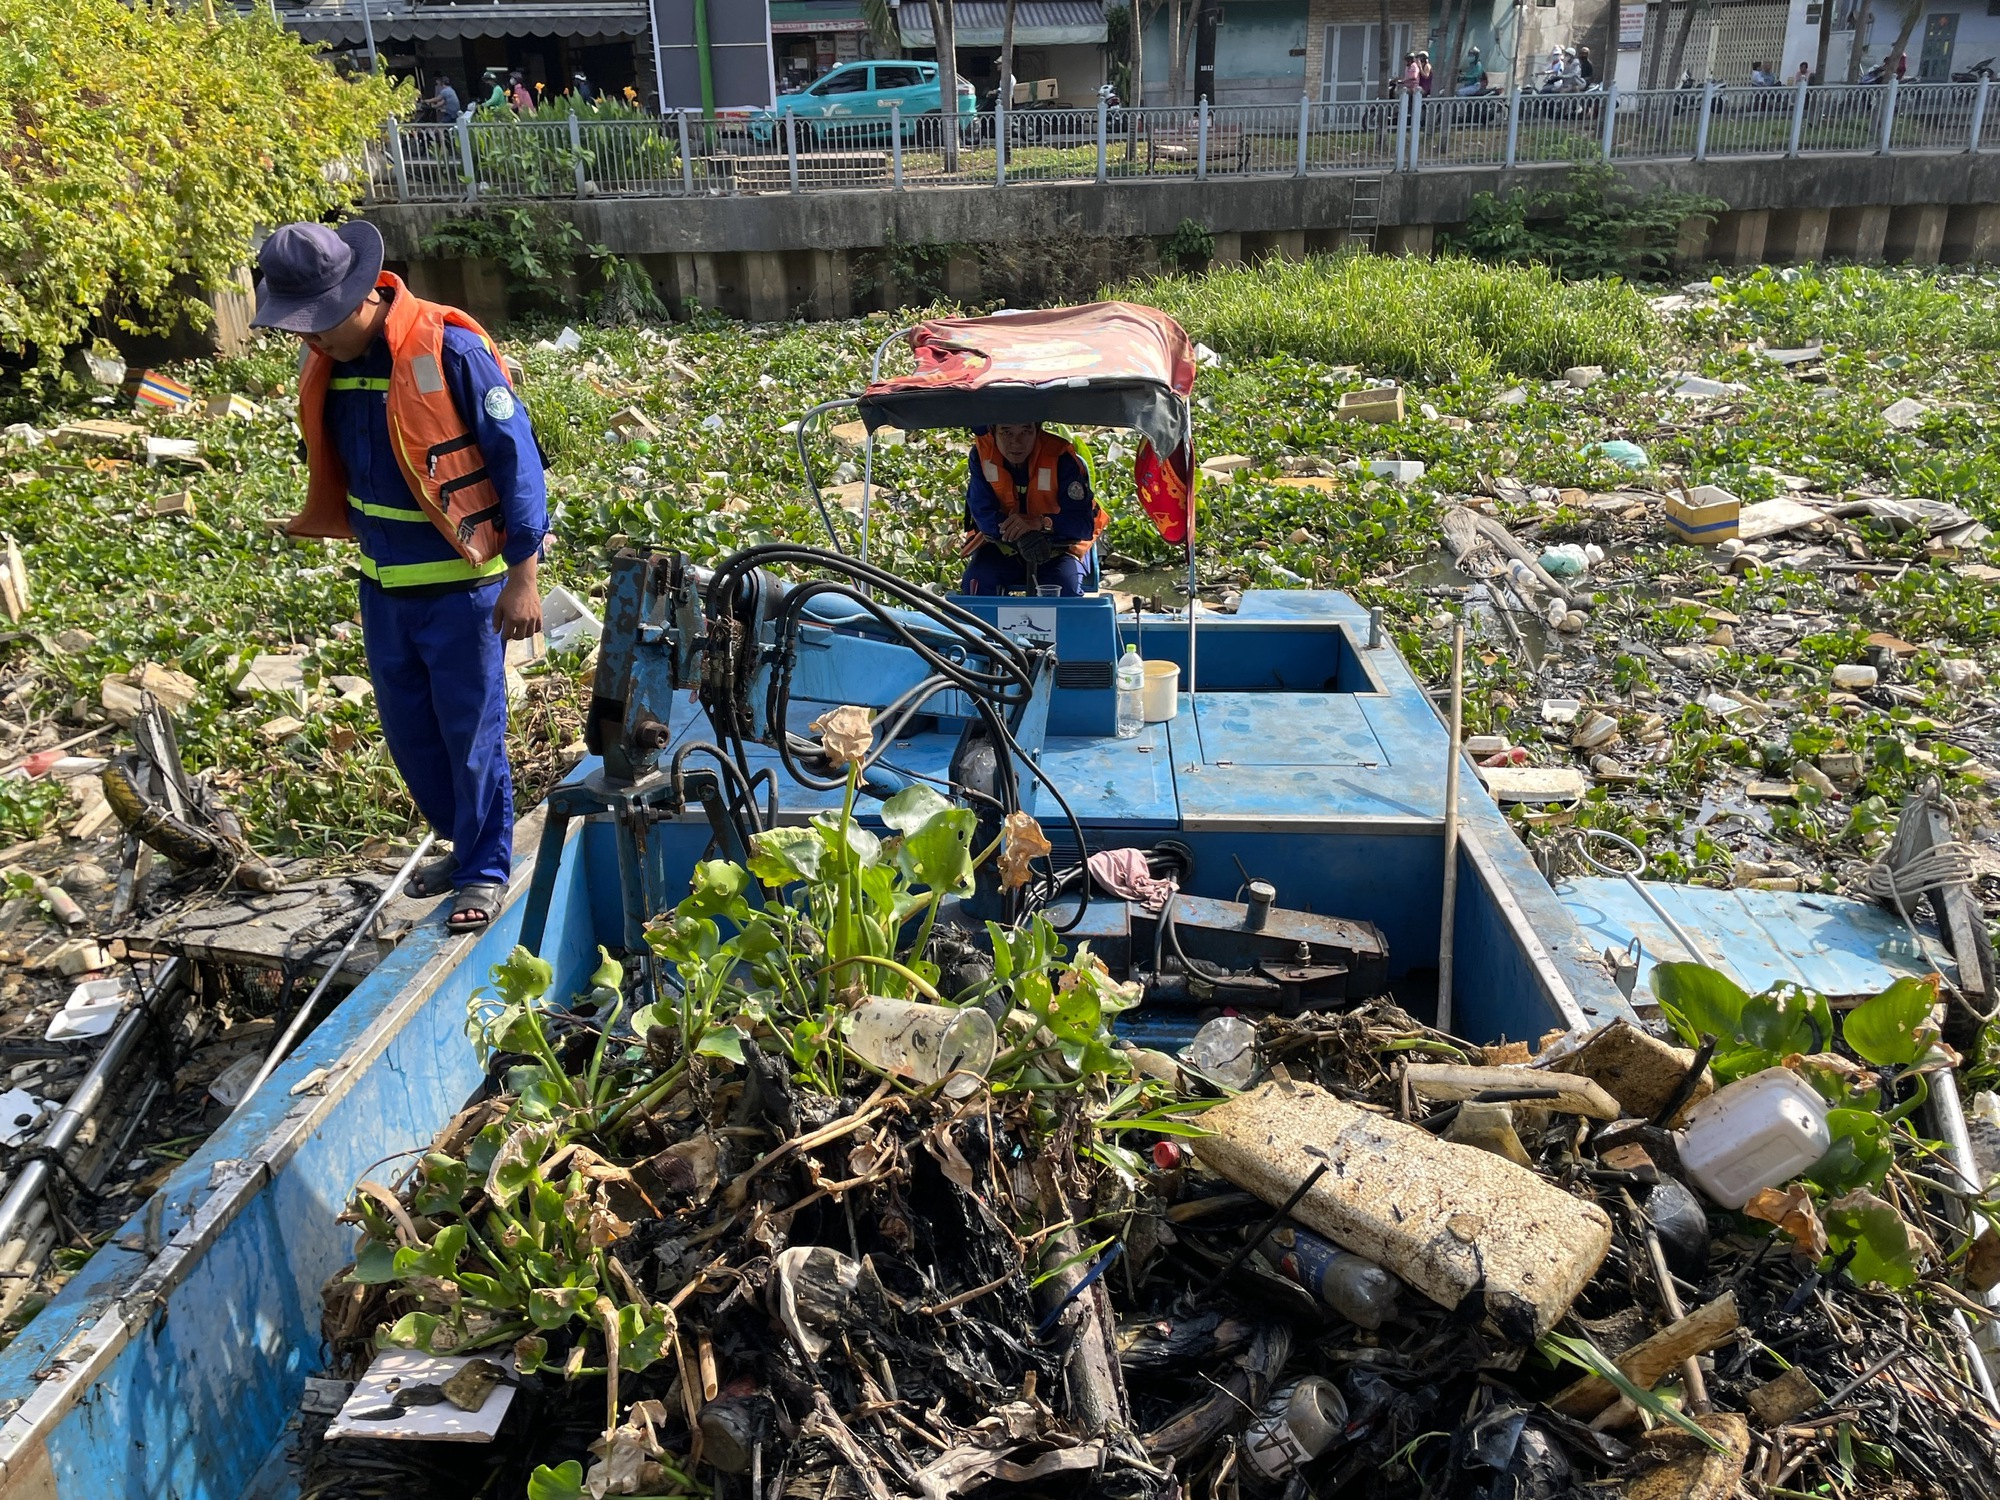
[(1191, 581)]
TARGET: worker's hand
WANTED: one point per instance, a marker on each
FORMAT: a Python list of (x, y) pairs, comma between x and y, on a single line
[(1014, 527), (518, 613)]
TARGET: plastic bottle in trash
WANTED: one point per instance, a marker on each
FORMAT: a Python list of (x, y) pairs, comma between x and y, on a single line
[(1130, 680), (1352, 1285), (1225, 1050), (1522, 574)]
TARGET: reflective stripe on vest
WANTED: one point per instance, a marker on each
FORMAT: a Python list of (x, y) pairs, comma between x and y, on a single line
[(389, 512), (412, 575), (358, 383)]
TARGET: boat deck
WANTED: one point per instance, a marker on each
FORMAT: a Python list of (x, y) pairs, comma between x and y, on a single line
[(176, 1372)]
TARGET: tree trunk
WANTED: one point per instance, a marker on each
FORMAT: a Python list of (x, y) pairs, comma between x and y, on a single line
[(1383, 50), (1825, 40), (945, 34), (1138, 99), (1007, 54), (1863, 24), (1913, 12), (1678, 60), (1453, 35), (1179, 34)]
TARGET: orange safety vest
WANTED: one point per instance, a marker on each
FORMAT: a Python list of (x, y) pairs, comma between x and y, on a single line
[(434, 448), (1043, 499)]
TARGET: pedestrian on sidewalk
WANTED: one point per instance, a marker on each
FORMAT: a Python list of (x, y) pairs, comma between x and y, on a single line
[(418, 450)]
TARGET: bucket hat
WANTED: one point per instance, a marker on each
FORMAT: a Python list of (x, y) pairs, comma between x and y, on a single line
[(314, 276)]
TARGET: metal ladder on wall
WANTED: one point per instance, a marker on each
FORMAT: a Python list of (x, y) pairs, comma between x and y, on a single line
[(1364, 211)]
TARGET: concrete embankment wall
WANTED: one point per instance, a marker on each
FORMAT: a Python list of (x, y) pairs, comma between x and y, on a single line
[(831, 254)]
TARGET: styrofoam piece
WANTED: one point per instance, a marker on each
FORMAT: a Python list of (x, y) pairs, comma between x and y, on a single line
[(20, 1112), (230, 1083), (567, 622), (398, 1369), (1756, 1133), (92, 1009)]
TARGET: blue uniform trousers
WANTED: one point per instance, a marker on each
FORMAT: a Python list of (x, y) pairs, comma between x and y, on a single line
[(991, 571), (439, 670)]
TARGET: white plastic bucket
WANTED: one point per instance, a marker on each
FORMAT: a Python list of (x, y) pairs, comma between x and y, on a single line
[(1163, 689)]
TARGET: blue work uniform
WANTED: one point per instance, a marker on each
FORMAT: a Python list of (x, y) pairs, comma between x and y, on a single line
[(998, 569), (437, 663)]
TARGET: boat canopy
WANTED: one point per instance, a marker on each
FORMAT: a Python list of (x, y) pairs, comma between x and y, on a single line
[(1105, 364)]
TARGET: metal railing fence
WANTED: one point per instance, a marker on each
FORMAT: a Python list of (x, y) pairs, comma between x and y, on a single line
[(685, 155)]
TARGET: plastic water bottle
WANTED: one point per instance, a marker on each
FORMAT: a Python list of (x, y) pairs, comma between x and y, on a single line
[(1224, 1051), (1130, 680), (1352, 1285)]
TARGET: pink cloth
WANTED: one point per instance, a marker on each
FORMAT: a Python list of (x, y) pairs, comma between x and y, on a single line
[(1124, 872)]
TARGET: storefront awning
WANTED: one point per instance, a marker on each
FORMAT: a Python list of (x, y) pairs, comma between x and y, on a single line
[(804, 17), (340, 23), (1037, 23)]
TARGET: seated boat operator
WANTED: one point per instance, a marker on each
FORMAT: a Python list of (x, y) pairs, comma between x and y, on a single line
[(1030, 518)]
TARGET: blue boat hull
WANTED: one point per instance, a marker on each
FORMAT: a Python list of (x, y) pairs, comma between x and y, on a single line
[(175, 1373)]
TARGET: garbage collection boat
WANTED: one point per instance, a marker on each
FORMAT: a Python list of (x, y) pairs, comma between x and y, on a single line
[(1297, 797)]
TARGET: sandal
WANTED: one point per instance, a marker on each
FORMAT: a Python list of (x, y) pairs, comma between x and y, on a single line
[(475, 906), (432, 877)]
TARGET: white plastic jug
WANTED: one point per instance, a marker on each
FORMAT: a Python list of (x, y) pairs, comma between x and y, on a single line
[(1756, 1133)]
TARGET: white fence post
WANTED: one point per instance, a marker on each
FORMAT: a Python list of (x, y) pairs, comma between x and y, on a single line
[(1402, 126), (576, 150), (1000, 140), (465, 157), (1201, 140), (1103, 136), (1798, 119), (1701, 126), (1979, 111), (1610, 118), (1416, 127), (1513, 122), (792, 150), (1888, 115), (896, 145), (1305, 126), (687, 156), (403, 172)]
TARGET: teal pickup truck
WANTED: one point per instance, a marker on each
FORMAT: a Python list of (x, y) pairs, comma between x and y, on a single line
[(855, 102)]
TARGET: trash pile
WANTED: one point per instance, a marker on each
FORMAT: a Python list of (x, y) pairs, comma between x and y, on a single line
[(843, 1214), (1675, 639)]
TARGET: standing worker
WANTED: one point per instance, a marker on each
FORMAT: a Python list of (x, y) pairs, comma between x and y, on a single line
[(417, 449)]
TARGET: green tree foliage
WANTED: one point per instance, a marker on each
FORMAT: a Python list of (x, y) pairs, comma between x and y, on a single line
[(141, 147)]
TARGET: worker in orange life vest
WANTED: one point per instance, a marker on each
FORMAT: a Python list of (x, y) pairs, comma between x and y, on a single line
[(419, 451), (1030, 517)]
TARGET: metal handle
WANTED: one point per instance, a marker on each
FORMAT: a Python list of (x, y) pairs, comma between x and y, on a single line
[(1631, 878)]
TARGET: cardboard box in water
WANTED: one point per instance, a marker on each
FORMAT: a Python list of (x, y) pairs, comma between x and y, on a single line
[(1382, 403), (1450, 1220), (1704, 515)]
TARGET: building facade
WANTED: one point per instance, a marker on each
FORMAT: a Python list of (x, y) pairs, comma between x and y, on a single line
[(1053, 39)]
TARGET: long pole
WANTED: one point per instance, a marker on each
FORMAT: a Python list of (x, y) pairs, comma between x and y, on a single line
[(368, 32), (32, 1180), (1451, 827), (704, 59), (299, 1018)]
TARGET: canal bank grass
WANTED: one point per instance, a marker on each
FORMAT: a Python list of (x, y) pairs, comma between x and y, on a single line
[(1445, 319)]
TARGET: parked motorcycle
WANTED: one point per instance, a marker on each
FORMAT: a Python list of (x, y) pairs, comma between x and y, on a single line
[(1985, 68)]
